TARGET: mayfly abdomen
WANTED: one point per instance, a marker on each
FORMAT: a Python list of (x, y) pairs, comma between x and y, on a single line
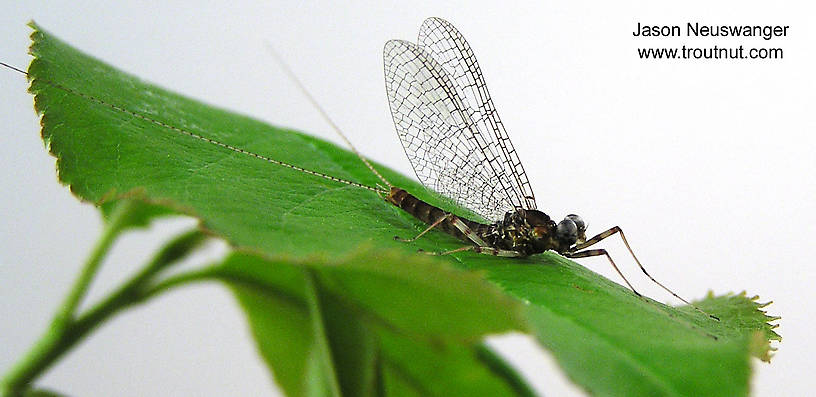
[(430, 214)]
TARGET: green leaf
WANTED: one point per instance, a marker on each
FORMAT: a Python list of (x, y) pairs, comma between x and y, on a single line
[(415, 294), (282, 330), (308, 329), (328, 371), (744, 316), (605, 338), (444, 369)]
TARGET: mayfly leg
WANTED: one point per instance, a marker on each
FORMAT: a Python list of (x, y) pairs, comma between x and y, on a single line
[(457, 223), (577, 253), (481, 250), (465, 229), (599, 252), (438, 222)]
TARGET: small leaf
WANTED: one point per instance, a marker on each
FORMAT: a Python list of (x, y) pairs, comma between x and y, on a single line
[(382, 290), (417, 295), (352, 346), (282, 332), (413, 367), (368, 344)]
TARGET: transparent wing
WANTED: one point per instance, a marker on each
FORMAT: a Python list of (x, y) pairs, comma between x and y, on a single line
[(443, 142), (450, 49)]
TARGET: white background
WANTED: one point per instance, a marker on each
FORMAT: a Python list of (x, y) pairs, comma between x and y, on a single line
[(707, 165)]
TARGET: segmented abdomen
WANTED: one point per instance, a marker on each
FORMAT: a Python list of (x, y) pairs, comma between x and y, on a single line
[(428, 213)]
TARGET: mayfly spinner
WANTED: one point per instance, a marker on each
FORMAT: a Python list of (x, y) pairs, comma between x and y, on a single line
[(458, 147)]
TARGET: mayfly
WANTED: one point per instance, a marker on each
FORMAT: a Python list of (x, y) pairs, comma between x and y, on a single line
[(457, 146)]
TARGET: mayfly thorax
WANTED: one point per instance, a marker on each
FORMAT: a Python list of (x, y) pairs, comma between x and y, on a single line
[(457, 146)]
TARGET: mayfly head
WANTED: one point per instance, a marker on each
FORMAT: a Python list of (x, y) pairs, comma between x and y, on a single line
[(571, 230)]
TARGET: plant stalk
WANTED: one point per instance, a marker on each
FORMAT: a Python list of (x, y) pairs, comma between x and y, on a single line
[(66, 328)]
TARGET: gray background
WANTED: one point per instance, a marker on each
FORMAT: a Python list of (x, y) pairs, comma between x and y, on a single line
[(707, 165)]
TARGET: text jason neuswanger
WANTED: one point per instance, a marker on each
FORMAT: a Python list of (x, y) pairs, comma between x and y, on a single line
[(766, 32)]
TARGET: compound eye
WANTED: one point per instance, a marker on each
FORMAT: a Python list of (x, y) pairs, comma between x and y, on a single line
[(567, 230), (579, 222)]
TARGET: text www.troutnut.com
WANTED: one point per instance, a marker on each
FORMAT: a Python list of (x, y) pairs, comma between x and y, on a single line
[(715, 51)]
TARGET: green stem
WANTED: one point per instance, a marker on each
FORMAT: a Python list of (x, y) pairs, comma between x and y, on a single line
[(176, 281), (113, 227), (46, 352), (63, 335), (216, 274), (38, 358)]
